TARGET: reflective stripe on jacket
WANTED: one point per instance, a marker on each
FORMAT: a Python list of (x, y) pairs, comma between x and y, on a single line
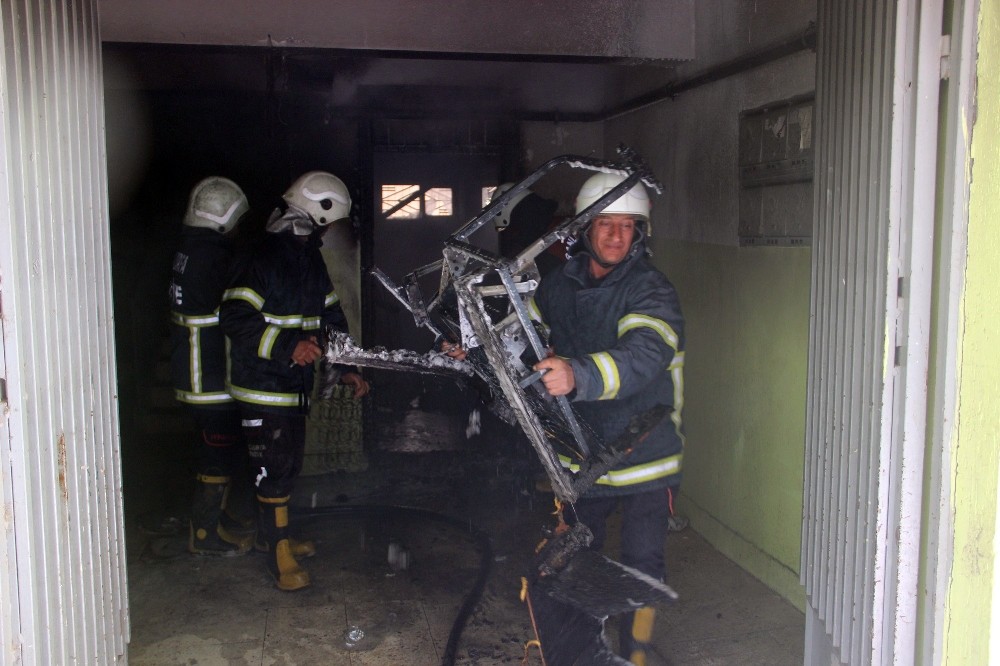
[(624, 338), (284, 296), (203, 266)]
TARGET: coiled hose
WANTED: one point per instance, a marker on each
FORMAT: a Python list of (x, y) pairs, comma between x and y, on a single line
[(481, 539)]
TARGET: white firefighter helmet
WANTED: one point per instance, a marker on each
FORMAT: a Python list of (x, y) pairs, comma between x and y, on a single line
[(502, 221), (322, 195), (216, 203), (634, 202)]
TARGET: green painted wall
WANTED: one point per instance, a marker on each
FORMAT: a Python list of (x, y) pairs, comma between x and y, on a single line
[(747, 328), (976, 442)]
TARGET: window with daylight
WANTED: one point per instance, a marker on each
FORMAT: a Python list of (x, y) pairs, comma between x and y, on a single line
[(410, 202), (401, 202), (437, 202), (488, 194)]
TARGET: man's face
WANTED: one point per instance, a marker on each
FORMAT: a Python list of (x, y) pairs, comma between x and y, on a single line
[(611, 236)]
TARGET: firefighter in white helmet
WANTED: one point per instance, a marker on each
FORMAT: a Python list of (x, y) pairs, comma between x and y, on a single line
[(275, 314), (617, 336), (203, 266)]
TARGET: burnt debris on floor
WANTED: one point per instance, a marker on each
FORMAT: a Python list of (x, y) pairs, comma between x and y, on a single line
[(187, 609)]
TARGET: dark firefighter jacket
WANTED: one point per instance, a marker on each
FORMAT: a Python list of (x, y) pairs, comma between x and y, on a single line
[(203, 267), (284, 296), (624, 337)]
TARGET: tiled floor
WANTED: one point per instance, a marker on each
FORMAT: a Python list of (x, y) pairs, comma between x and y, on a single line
[(188, 610)]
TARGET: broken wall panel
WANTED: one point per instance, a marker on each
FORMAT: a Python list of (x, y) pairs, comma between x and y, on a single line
[(775, 173)]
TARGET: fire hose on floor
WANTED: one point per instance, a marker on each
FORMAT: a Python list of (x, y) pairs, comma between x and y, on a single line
[(480, 538)]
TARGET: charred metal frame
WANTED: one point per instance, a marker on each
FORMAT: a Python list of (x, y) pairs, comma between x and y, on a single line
[(473, 279)]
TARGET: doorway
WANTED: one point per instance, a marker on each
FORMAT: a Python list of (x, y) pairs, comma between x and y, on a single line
[(420, 199)]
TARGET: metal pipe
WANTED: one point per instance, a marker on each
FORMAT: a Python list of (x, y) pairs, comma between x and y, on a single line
[(804, 40), (801, 42)]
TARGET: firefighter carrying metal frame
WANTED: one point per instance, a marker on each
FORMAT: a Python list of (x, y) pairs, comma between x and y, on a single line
[(483, 304), (481, 301)]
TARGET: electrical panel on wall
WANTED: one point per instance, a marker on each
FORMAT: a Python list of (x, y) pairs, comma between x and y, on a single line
[(776, 173)]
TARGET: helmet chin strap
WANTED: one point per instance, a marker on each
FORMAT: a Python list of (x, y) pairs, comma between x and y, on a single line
[(589, 249), (640, 237)]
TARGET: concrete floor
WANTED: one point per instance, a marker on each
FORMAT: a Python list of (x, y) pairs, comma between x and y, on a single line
[(188, 610)]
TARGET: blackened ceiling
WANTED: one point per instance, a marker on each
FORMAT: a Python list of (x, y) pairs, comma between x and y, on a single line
[(399, 85), (568, 59)]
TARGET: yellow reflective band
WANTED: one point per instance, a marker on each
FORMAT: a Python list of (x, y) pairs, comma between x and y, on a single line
[(214, 480), (229, 361), (267, 341), (273, 500), (677, 376), (194, 358), (263, 397), (195, 320), (633, 321), (609, 373), (310, 323), (283, 321), (331, 299), (657, 469), (192, 398), (534, 313), (244, 294)]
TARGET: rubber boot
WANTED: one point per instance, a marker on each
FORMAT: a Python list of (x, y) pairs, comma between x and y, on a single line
[(236, 523), (299, 548), (636, 634), (206, 535), (303, 548), (273, 529)]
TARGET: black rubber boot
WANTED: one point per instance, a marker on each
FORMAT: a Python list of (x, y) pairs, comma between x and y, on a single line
[(636, 634), (272, 530), (237, 522), (239, 508), (237, 525), (207, 536)]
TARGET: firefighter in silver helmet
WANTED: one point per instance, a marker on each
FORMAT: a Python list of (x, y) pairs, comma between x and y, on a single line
[(275, 314), (203, 266)]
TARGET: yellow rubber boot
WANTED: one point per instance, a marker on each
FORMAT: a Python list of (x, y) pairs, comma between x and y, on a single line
[(281, 563), (288, 575), (303, 548), (300, 548)]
